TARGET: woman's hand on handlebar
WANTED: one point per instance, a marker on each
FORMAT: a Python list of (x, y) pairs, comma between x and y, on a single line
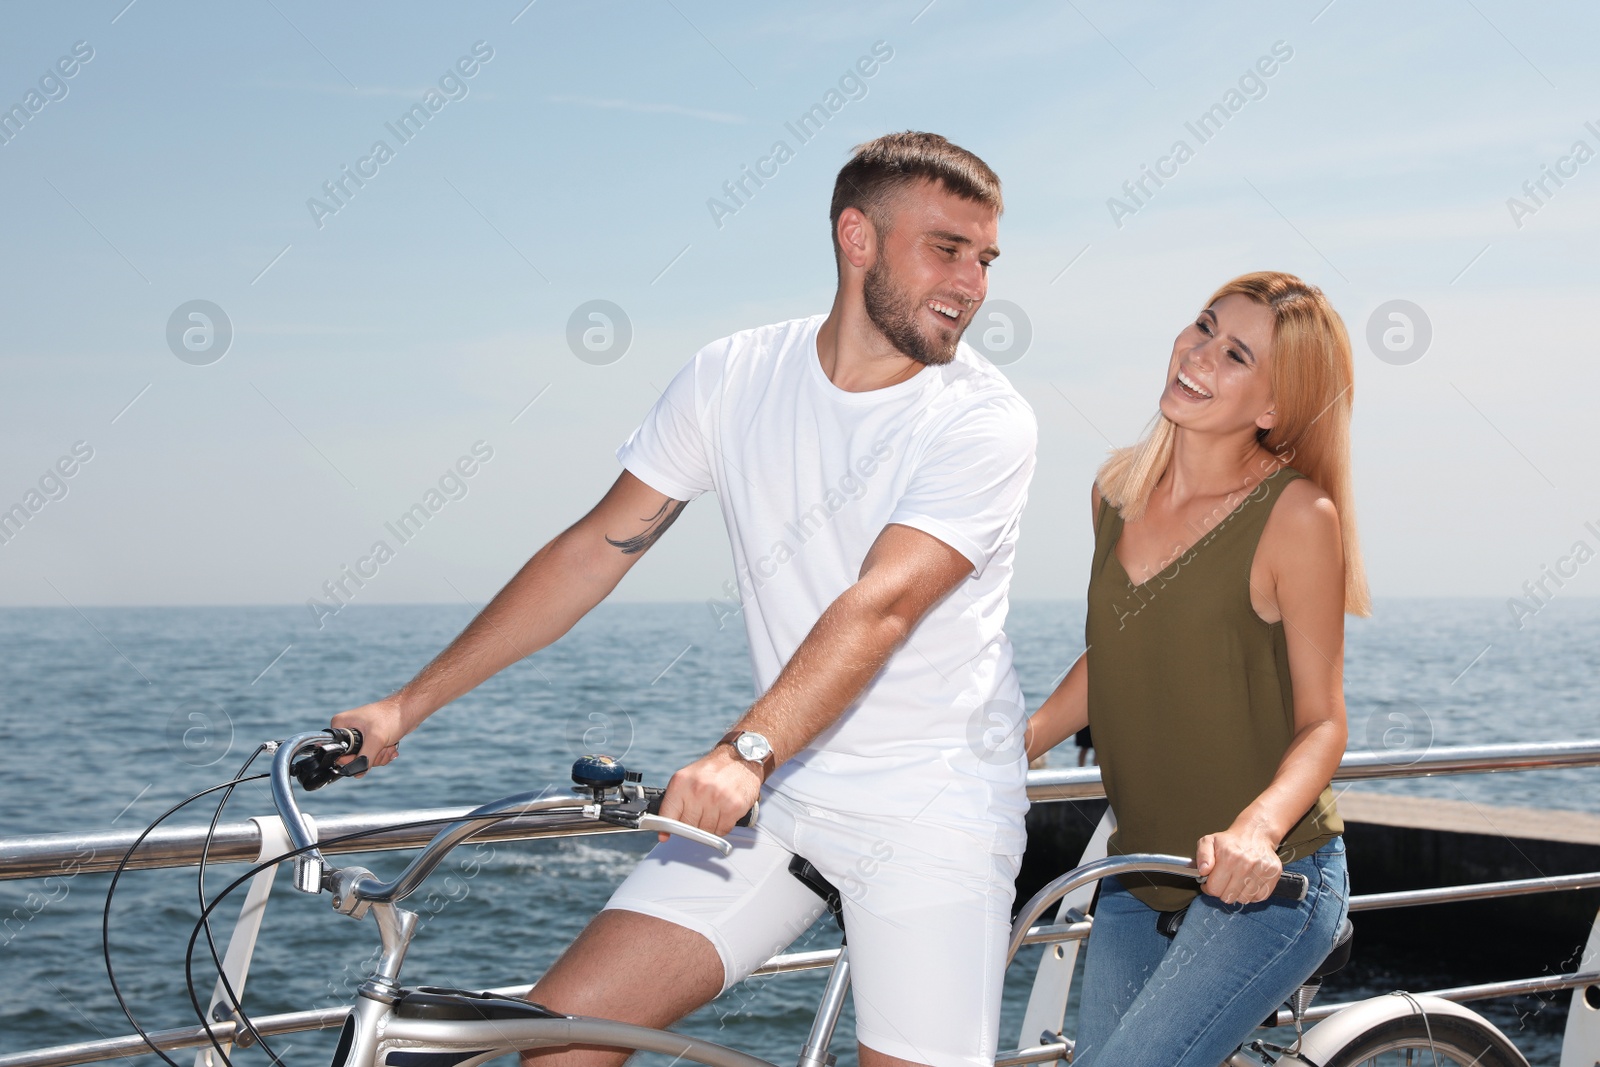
[(381, 725), (1240, 866)]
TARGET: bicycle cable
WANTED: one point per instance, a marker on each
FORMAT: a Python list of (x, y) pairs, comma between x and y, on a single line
[(206, 909), (234, 1003), (105, 913), (205, 915), (1426, 1025)]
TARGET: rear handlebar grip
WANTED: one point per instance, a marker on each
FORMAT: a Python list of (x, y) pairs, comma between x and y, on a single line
[(1292, 886)]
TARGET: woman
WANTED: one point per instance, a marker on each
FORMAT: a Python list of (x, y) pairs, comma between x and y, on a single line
[(1212, 677)]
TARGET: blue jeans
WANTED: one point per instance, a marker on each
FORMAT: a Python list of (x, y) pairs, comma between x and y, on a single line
[(1190, 1001)]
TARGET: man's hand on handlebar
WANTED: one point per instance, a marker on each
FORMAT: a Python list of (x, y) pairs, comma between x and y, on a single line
[(714, 792), (381, 727)]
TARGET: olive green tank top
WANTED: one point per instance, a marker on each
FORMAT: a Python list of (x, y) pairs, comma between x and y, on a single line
[(1189, 695)]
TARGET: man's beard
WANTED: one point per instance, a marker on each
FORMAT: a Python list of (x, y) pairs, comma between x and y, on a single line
[(894, 313)]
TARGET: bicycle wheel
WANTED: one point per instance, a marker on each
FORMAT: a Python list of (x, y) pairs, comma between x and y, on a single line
[(1414, 1041)]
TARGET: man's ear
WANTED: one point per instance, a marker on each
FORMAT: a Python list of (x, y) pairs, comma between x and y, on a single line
[(858, 238)]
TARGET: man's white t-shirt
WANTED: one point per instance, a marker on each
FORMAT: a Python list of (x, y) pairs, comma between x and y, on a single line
[(808, 475)]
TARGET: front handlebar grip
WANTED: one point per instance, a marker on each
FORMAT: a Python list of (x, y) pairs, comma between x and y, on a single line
[(319, 762), (350, 737)]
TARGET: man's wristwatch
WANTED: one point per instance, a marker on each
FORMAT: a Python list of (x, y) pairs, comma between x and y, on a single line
[(752, 747)]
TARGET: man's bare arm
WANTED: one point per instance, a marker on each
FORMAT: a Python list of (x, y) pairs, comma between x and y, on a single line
[(905, 574), (552, 591)]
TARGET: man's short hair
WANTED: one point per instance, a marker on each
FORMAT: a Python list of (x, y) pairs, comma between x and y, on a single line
[(883, 167)]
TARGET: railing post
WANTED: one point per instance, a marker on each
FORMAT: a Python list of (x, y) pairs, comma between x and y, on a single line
[(242, 945), (1580, 1045), (1052, 982)]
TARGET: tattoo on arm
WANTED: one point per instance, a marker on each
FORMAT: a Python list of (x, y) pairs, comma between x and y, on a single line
[(658, 525)]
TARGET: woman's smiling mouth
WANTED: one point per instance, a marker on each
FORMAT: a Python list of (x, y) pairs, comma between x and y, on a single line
[(1190, 388)]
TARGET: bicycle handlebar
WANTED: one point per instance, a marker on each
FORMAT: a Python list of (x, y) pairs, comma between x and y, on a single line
[(357, 887), (1291, 886), (308, 865)]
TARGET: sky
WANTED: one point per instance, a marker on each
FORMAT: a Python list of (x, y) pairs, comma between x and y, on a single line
[(359, 346)]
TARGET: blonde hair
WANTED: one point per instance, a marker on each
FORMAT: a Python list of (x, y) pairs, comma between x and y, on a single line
[(1313, 381)]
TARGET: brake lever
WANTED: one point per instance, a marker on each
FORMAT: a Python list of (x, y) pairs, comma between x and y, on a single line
[(662, 824), (640, 813)]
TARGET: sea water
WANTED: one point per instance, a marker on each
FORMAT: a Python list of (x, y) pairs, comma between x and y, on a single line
[(110, 716)]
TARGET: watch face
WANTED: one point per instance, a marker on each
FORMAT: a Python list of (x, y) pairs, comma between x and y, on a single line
[(753, 747)]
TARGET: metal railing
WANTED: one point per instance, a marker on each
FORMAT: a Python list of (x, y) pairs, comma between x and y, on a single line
[(41, 855)]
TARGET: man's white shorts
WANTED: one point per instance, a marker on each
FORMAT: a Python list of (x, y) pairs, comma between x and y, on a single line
[(927, 908)]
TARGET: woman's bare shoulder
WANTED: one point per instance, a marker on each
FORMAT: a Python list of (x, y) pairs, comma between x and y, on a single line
[(1304, 516), (1305, 500)]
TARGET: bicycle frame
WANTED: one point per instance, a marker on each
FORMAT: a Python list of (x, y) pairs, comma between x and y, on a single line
[(379, 1031), (374, 1035)]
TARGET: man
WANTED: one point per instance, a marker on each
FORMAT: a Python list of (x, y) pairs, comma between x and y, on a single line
[(871, 471)]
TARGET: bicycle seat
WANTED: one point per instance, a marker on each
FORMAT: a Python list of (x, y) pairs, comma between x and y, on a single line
[(1340, 954), (812, 879), (1301, 1000), (433, 1002)]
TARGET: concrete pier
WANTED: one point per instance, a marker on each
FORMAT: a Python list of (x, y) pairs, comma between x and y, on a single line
[(1400, 842)]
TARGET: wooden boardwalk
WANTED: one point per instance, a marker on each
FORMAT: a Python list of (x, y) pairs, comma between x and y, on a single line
[(1464, 817)]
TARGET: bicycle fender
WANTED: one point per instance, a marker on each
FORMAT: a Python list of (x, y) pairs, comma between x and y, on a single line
[(1340, 1029)]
